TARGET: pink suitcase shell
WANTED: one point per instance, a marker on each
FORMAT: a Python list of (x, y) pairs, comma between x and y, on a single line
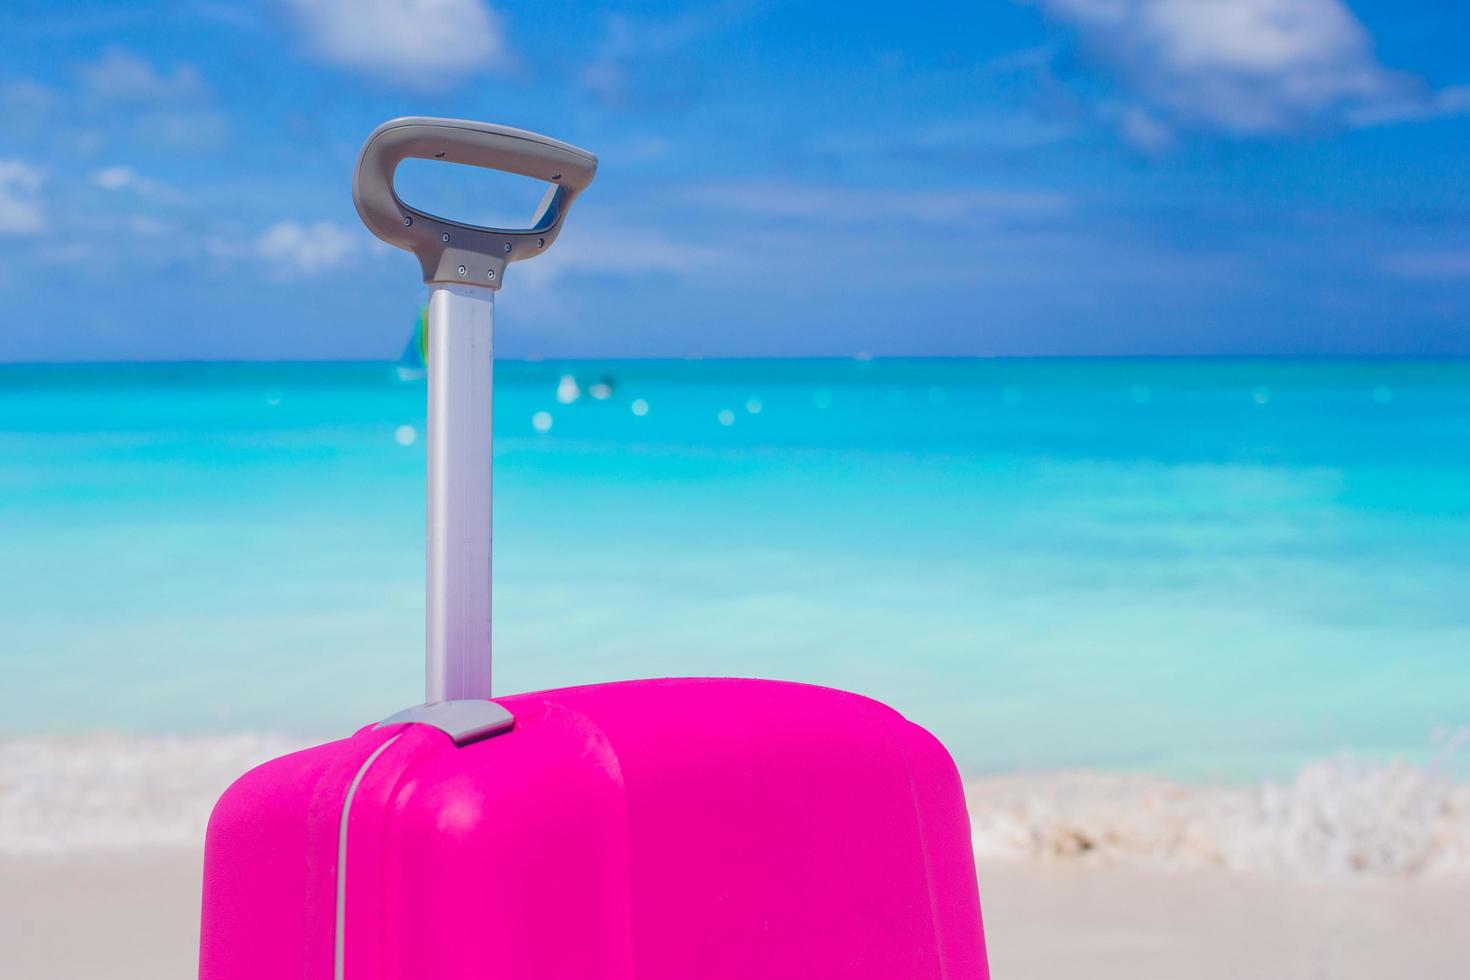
[(659, 830), (694, 829)]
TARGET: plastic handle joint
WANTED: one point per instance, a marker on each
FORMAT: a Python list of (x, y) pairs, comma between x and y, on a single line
[(452, 251)]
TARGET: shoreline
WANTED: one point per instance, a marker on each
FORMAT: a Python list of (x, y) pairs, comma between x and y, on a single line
[(1334, 820), (1347, 871), (139, 916), (104, 795)]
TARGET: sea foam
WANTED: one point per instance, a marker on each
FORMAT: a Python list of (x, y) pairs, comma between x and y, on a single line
[(1337, 818), (110, 793), (103, 792)]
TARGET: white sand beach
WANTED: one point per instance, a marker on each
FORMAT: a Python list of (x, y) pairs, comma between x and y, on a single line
[(1345, 872), (135, 918)]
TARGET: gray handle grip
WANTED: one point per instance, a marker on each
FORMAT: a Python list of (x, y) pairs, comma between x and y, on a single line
[(451, 251)]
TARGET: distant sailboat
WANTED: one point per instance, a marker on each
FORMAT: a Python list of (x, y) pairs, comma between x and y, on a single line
[(415, 357)]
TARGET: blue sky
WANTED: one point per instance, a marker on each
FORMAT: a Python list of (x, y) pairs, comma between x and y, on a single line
[(1046, 177)]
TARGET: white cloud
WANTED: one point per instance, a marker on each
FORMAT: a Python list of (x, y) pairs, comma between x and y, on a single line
[(118, 98), (293, 249), (641, 62), (115, 178), (172, 109), (120, 76), (1143, 131), (984, 133), (26, 97), (124, 178), (1453, 100), (850, 205), (21, 212), (611, 76), (418, 44), (1247, 67), (148, 227), (623, 251), (190, 129)]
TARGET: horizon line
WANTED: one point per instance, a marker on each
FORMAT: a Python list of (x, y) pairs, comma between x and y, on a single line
[(697, 358)]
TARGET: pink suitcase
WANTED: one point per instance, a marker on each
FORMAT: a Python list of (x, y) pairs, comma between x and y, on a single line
[(660, 830)]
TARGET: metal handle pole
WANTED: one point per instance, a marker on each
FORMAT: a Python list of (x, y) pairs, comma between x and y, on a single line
[(454, 255), (460, 357)]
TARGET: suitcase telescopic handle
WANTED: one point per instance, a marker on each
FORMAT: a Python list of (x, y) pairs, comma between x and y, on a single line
[(464, 266), (453, 251)]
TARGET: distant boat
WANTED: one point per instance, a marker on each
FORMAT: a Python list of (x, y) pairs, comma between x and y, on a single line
[(414, 360)]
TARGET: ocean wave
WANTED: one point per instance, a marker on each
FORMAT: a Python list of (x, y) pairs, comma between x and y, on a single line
[(108, 792), (104, 792), (1334, 819)]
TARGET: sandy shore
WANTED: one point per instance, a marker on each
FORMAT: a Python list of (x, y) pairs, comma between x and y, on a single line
[(1105, 923), (123, 918)]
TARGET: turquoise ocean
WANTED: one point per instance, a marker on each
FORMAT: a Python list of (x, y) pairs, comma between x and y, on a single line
[(1206, 570)]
